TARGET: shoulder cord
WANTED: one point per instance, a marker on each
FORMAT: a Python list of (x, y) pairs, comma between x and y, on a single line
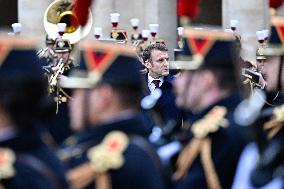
[(189, 154)]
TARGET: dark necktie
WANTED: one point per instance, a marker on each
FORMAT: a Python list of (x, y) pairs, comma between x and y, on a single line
[(156, 83)]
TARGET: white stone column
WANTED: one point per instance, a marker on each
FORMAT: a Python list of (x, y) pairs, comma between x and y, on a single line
[(253, 15), (30, 15), (148, 11)]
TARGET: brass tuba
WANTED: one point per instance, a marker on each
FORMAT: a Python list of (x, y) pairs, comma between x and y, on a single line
[(60, 11)]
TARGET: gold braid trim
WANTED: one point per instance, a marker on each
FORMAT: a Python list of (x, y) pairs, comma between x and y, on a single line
[(186, 158), (273, 127), (189, 154), (276, 123), (81, 176), (84, 175), (201, 144), (65, 94), (208, 165), (103, 181)]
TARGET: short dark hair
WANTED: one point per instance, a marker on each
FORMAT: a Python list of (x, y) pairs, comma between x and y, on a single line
[(226, 78), (146, 55), (128, 97)]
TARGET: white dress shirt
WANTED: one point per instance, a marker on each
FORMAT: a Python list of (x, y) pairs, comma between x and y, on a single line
[(151, 85)]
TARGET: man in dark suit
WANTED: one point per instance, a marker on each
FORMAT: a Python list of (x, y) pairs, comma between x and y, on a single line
[(156, 60), (208, 88), (106, 103)]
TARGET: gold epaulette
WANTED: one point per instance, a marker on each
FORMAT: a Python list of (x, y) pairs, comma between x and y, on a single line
[(210, 123), (103, 157)]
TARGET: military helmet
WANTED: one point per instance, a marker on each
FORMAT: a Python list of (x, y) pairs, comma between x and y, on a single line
[(260, 54), (276, 39), (62, 45)]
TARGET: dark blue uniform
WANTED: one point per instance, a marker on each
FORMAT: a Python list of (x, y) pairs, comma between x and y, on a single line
[(32, 155), (227, 145), (166, 104), (58, 125), (139, 170)]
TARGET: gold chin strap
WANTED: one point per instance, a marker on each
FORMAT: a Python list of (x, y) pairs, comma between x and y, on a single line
[(201, 144), (189, 154), (83, 175), (276, 123), (103, 181)]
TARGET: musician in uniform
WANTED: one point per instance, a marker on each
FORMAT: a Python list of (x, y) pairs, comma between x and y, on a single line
[(62, 49), (58, 124), (105, 108), (208, 88)]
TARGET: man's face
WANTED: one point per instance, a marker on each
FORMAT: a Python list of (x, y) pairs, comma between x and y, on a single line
[(63, 55), (159, 66), (86, 106), (189, 89), (270, 72), (260, 64)]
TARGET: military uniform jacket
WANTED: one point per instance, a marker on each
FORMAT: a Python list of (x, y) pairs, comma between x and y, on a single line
[(227, 145), (29, 148), (139, 170)]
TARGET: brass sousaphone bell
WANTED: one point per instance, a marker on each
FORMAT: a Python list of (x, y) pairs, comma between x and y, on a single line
[(60, 11)]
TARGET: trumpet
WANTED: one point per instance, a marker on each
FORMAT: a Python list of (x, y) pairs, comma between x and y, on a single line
[(42, 52), (53, 78)]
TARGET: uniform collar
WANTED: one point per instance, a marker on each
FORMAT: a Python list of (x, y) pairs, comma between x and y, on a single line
[(133, 125), (230, 102), (23, 141)]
